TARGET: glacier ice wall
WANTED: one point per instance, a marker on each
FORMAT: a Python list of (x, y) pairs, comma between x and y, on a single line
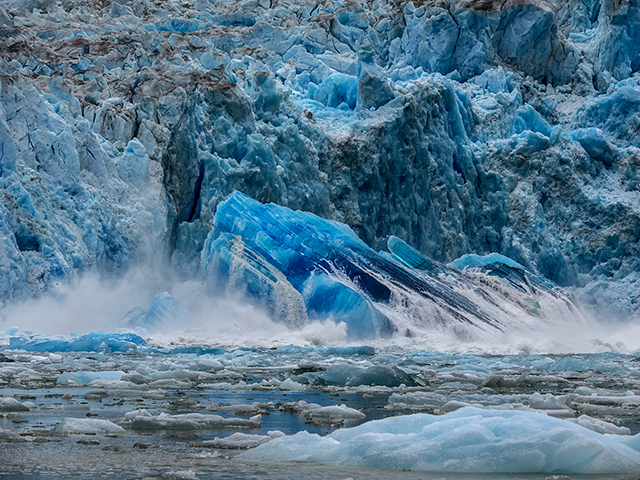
[(300, 267), (459, 127)]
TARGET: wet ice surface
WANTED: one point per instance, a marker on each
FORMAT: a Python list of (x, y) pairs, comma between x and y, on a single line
[(152, 414)]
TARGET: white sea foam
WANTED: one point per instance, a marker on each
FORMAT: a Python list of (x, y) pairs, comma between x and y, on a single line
[(96, 303)]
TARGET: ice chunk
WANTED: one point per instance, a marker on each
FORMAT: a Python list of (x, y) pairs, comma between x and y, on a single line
[(332, 414), (12, 405), (468, 440), (163, 311), (373, 85), (143, 420), (595, 144), (291, 385), (78, 426), (547, 402), (498, 265), (335, 90), (411, 257), (472, 260), (11, 437), (290, 261), (600, 426), (529, 119), (239, 441), (318, 414), (92, 342), (349, 375), (84, 378)]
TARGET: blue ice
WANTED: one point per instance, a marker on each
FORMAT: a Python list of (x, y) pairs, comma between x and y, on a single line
[(469, 440), (92, 342)]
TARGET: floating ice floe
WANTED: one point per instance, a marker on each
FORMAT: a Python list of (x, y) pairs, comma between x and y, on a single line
[(79, 426), (84, 378), (317, 414), (469, 440), (142, 419), (239, 441), (12, 405)]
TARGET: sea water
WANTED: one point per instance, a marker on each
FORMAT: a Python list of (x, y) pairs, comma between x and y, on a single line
[(284, 386)]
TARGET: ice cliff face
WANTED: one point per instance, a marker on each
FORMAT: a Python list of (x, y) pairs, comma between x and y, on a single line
[(464, 127)]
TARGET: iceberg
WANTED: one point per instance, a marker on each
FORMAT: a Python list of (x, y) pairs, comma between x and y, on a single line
[(143, 420), (291, 261), (469, 440), (87, 426), (12, 405), (91, 342), (238, 441)]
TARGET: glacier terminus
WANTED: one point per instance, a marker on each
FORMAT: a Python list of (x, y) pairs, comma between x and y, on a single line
[(328, 238)]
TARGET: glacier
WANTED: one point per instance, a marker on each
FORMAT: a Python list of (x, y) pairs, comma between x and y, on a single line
[(462, 128), (303, 268)]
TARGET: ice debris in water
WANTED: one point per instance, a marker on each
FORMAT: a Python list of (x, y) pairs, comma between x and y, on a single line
[(351, 375), (92, 342), (239, 441), (79, 426), (12, 405), (143, 420), (469, 440), (317, 414), (84, 378)]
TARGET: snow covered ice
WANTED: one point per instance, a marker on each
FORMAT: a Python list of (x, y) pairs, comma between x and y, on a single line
[(384, 239)]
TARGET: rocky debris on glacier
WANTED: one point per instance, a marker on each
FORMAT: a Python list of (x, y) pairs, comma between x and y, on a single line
[(464, 127)]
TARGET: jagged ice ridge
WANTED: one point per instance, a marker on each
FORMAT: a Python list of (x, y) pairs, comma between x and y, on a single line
[(464, 127)]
